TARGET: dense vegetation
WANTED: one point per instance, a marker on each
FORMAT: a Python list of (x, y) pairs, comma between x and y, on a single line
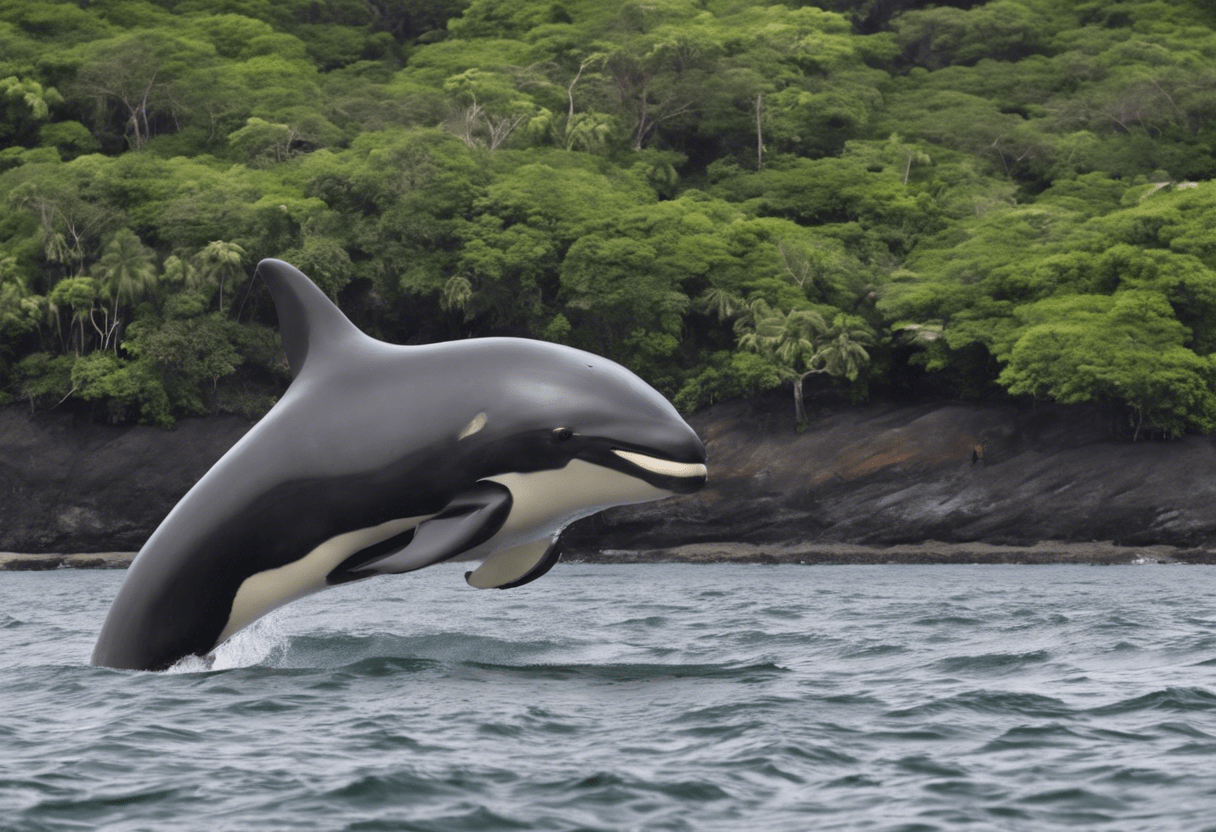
[(729, 197)]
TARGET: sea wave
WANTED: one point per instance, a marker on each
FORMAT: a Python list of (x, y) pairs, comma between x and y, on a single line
[(709, 698)]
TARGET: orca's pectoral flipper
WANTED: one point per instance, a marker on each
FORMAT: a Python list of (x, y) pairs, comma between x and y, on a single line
[(516, 566), (468, 520)]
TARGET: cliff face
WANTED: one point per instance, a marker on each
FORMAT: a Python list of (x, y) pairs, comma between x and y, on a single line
[(876, 475), (67, 487), (883, 475)]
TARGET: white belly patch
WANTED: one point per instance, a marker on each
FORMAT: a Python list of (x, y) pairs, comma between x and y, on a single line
[(545, 502), (269, 590)]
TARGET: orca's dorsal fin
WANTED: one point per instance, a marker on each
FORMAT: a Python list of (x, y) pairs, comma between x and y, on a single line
[(309, 322)]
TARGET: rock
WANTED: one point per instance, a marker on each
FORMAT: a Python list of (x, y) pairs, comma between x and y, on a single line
[(15, 562), (880, 475), (81, 487), (99, 560)]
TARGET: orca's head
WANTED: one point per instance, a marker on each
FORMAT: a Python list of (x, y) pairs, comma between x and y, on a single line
[(553, 405)]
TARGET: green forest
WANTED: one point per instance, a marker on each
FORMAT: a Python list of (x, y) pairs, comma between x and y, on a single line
[(1007, 199)]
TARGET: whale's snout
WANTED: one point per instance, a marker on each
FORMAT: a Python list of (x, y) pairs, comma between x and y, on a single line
[(697, 471), (667, 454)]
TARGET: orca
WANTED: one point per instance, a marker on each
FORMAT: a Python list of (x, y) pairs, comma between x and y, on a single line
[(383, 459)]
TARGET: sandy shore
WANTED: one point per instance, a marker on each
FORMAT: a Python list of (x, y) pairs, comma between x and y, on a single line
[(1101, 553)]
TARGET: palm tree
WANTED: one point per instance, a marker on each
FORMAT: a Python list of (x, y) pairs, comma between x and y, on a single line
[(721, 303), (844, 352), (219, 261), (749, 313), (179, 272), (588, 131), (802, 345), (790, 338), (797, 334), (127, 268), (78, 294), (456, 293)]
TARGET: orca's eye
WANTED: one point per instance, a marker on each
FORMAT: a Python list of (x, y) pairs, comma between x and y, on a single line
[(562, 434)]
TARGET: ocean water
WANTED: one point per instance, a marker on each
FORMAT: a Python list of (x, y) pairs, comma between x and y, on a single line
[(634, 697)]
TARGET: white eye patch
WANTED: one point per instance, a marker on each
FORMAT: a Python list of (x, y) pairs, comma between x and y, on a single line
[(478, 422)]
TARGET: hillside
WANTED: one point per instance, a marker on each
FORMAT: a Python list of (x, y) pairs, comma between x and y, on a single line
[(875, 475), (899, 200)]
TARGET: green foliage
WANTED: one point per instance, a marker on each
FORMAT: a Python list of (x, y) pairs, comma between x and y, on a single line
[(126, 388), (71, 138), (1006, 197), (23, 104), (183, 358), (728, 376), (325, 261), (1127, 349), (44, 380), (126, 268)]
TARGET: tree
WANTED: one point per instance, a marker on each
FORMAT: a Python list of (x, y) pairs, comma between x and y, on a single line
[(20, 311), (1124, 350), (57, 196), (137, 73), (721, 303), (489, 108), (843, 350), (657, 78), (127, 269), (801, 344), (77, 294), (220, 261), (24, 103), (259, 141)]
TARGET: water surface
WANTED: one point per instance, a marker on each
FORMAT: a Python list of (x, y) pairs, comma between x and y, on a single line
[(647, 697)]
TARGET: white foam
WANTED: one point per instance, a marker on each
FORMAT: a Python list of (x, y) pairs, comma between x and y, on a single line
[(262, 642)]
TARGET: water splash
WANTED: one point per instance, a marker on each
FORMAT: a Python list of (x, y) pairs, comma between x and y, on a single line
[(262, 643)]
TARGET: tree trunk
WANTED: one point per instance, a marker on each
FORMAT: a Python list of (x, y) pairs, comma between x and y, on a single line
[(759, 134), (639, 135), (570, 94), (799, 407), (799, 411)]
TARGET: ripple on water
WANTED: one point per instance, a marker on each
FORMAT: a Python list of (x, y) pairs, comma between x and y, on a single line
[(705, 698), (1180, 700), (996, 702), (992, 662), (1050, 735), (946, 621)]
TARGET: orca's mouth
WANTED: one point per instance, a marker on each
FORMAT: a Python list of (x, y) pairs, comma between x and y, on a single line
[(664, 467)]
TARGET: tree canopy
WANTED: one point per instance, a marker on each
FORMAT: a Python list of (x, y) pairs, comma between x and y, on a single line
[(1007, 198)]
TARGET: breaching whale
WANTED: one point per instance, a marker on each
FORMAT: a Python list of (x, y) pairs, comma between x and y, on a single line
[(383, 459)]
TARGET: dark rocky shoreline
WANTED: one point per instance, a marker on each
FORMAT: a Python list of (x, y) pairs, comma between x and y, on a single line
[(882, 483), (930, 552), (39, 562)]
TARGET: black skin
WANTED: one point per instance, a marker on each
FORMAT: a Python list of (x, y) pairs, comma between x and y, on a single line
[(368, 433)]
